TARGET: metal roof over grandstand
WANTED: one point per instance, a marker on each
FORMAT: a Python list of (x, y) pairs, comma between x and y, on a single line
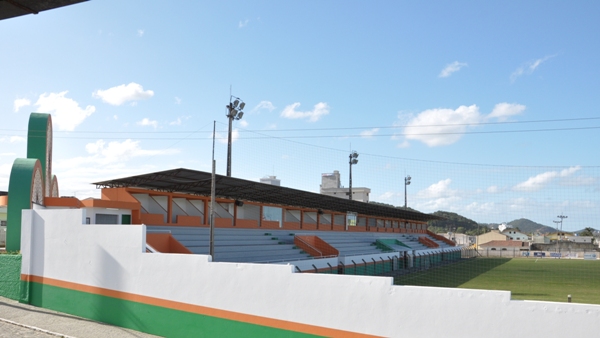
[(199, 183), (13, 8)]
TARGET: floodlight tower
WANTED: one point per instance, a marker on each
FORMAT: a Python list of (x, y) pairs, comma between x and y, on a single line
[(557, 222), (234, 112), (353, 160), (406, 182), (562, 217)]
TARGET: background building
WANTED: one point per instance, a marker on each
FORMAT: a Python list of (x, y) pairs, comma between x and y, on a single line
[(331, 186), (272, 179)]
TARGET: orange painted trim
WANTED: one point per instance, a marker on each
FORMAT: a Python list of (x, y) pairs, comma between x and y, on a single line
[(97, 203), (197, 309), (67, 202), (4, 200)]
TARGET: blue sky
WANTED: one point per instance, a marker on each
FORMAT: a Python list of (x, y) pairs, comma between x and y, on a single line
[(491, 106)]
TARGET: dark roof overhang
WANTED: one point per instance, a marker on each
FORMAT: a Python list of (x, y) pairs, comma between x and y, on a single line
[(13, 8), (199, 183)]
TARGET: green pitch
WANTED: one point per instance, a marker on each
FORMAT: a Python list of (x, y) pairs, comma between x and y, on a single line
[(528, 279)]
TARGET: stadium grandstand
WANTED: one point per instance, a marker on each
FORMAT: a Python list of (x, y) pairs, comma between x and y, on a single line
[(262, 223)]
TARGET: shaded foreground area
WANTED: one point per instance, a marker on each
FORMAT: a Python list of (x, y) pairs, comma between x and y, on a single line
[(527, 279)]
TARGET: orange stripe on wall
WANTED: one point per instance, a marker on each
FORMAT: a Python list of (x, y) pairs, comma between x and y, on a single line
[(197, 309)]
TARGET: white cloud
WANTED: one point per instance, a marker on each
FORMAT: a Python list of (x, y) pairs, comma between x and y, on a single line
[(369, 133), (539, 181), (118, 95), (20, 103), (443, 126), (451, 68), (492, 189), (243, 24), (115, 152), (244, 123), (529, 67), (404, 144), (440, 127), (504, 110), (176, 122), (386, 196), (321, 109), (235, 134), (263, 105), (436, 190), (482, 208), (147, 122), (17, 139), (140, 32), (66, 113), (177, 100)]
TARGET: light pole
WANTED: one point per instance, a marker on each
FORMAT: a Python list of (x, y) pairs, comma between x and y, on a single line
[(406, 182), (234, 112), (353, 160), (562, 217), (556, 222)]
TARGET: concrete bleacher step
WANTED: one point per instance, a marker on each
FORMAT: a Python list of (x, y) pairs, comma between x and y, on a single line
[(273, 245)]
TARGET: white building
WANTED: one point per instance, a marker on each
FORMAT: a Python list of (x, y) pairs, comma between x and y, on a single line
[(460, 239), (580, 239), (272, 180), (331, 186), (514, 235)]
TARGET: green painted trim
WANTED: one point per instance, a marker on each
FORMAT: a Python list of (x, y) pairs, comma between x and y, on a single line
[(19, 197), (10, 276), (147, 318), (39, 145)]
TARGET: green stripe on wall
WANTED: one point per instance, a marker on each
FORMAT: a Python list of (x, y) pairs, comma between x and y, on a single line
[(146, 318), (10, 276)]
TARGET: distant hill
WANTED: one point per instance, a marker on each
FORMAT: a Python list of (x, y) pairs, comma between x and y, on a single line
[(527, 226), (462, 224), (455, 222)]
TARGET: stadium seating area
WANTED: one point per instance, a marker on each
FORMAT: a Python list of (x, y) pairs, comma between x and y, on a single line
[(282, 246)]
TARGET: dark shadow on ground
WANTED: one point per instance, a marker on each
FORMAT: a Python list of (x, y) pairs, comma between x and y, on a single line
[(451, 275)]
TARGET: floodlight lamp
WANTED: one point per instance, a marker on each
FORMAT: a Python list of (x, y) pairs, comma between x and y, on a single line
[(233, 113), (239, 116), (355, 154), (242, 105), (354, 161), (235, 103)]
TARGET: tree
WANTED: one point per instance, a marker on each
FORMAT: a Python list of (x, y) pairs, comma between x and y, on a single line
[(587, 232)]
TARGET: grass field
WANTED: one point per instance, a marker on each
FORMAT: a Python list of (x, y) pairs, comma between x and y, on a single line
[(530, 279)]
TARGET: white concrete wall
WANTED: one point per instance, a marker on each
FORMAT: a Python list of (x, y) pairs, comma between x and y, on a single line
[(56, 245)]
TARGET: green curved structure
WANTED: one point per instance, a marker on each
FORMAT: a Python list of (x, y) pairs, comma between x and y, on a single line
[(39, 145), (25, 186)]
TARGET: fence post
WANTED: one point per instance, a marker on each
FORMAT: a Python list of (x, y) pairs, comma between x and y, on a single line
[(354, 266)]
